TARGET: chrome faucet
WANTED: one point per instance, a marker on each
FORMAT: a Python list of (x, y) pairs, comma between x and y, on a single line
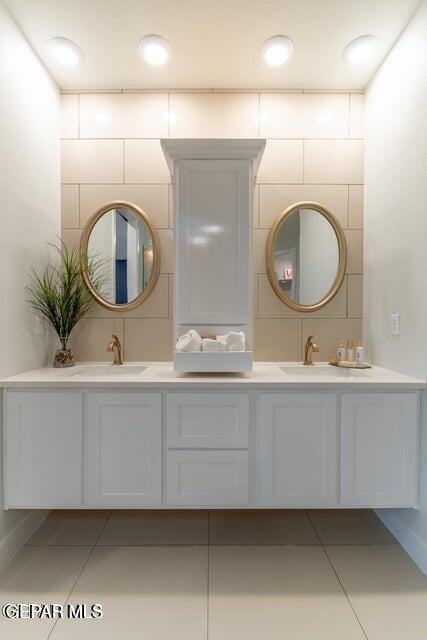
[(115, 346), (310, 348)]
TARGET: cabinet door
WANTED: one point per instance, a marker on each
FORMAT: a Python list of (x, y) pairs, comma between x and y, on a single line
[(123, 450), (207, 478), (43, 449), (379, 449), (213, 232), (298, 449), (207, 420)]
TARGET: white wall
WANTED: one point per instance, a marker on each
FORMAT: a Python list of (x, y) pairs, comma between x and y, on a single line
[(395, 270), (29, 215)]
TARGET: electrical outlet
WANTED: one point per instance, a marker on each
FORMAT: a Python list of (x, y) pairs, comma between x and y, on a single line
[(395, 324)]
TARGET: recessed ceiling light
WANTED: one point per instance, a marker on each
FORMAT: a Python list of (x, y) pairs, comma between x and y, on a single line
[(276, 50), (65, 51), (154, 49), (102, 117), (324, 117), (262, 117), (171, 117), (361, 49)]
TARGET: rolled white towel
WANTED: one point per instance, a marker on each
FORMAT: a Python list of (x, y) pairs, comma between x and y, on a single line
[(210, 344), (190, 341), (233, 341)]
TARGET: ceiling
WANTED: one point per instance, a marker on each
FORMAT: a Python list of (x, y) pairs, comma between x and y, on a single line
[(215, 43)]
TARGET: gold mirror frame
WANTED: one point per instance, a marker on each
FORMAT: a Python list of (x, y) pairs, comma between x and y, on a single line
[(156, 255), (342, 248)]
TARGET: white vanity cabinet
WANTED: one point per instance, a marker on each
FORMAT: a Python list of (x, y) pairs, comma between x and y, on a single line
[(211, 446), (123, 450), (43, 435), (379, 449), (298, 449)]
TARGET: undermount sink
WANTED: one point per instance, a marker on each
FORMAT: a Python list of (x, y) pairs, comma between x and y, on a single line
[(108, 371), (320, 371)]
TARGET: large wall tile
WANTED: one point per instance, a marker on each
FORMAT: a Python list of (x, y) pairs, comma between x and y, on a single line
[(69, 115), (166, 248), (201, 115), (275, 198), (155, 306), (282, 162), (133, 168), (71, 238), (255, 300), (92, 161), (354, 239), (258, 250), (355, 296), (148, 340), (90, 338), (270, 306), (277, 340), (124, 115), (70, 206), (145, 162), (355, 206), (151, 198), (328, 332), (333, 161), (357, 112), (304, 115)]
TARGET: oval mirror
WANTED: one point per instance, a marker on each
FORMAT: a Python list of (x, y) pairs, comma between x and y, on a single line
[(120, 255), (306, 256)]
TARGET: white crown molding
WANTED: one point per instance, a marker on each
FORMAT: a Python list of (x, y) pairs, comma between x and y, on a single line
[(212, 149)]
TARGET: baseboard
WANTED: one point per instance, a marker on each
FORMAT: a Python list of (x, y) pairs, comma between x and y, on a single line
[(410, 541), (19, 534)]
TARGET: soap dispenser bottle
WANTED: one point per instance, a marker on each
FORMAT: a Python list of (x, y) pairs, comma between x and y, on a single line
[(360, 354), (350, 351), (341, 351)]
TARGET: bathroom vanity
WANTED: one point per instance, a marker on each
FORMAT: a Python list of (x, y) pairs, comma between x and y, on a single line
[(137, 436)]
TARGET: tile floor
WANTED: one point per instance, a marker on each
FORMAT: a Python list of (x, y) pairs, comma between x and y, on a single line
[(218, 575)]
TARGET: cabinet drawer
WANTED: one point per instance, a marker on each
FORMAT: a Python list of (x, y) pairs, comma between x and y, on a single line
[(207, 420), (207, 478)]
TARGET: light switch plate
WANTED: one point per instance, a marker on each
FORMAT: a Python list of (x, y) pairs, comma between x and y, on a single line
[(395, 324)]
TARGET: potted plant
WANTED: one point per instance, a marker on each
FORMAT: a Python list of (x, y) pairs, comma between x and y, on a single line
[(60, 296)]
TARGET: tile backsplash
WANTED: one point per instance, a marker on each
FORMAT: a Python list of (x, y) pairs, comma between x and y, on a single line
[(111, 151)]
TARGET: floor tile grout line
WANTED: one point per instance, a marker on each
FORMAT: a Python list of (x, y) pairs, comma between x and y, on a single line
[(72, 588), (81, 571), (336, 575), (107, 520), (345, 592)]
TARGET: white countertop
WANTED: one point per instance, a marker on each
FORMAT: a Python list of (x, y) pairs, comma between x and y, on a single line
[(160, 375)]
